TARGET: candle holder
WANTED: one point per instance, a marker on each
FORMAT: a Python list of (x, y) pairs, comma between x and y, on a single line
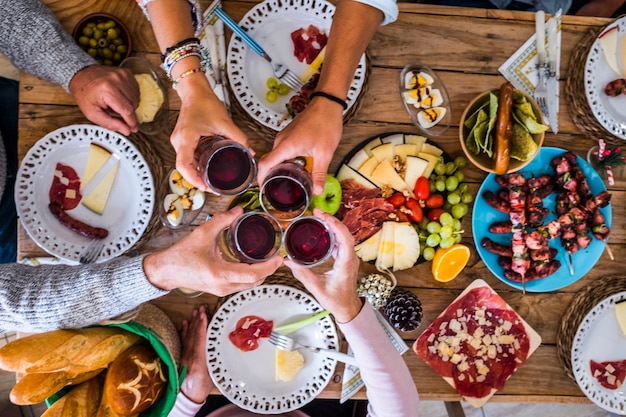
[(613, 159)]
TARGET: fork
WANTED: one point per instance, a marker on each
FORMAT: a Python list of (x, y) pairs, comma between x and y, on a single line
[(541, 91), (92, 252), (283, 342), (280, 70)]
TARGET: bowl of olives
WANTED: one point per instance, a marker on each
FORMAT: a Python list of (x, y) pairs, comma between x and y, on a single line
[(104, 37)]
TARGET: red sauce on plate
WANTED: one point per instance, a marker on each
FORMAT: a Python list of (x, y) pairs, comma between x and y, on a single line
[(248, 331)]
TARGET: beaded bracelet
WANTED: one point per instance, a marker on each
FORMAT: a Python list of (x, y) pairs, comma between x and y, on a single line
[(185, 51), (330, 97), (179, 45), (186, 74)]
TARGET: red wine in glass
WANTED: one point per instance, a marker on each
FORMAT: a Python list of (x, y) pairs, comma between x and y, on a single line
[(254, 237), (308, 241), (286, 192), (228, 167)]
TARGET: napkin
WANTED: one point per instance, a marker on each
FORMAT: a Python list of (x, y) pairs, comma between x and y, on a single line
[(352, 381), (521, 68)]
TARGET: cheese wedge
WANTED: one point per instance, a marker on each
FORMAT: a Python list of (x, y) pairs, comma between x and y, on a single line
[(368, 167), (385, 174), (415, 168), (288, 363), (416, 140), (383, 152), (372, 144), (620, 314), (624, 56), (346, 172), (405, 150), (608, 43), (314, 67), (431, 149), (96, 200), (150, 98), (95, 160), (432, 161), (384, 259), (359, 157)]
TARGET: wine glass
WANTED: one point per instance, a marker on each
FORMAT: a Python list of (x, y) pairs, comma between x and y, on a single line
[(287, 190), (253, 237), (308, 241)]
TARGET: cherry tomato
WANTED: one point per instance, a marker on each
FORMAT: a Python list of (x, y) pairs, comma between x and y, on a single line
[(434, 214), (402, 217), (416, 213), (435, 200), (397, 199), (422, 188)]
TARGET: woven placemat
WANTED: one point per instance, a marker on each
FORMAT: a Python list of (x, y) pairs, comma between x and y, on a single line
[(578, 108), (154, 161), (584, 300), (268, 134)]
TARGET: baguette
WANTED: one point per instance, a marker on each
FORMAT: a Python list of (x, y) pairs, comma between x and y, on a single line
[(504, 129), (82, 401), (35, 388)]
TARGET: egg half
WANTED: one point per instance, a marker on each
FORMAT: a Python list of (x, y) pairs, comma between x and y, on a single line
[(427, 118)]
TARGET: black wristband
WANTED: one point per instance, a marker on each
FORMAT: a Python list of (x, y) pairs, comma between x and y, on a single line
[(178, 45), (330, 97)]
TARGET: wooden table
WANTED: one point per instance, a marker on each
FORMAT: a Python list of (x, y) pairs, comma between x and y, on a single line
[(465, 47)]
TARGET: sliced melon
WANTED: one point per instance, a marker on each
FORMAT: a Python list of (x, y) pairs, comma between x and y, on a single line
[(406, 246), (384, 258), (359, 157), (431, 149), (416, 140), (96, 200), (385, 174), (372, 144), (383, 152), (396, 139), (95, 160), (415, 168), (405, 149), (288, 363), (432, 161), (345, 173), (368, 249)]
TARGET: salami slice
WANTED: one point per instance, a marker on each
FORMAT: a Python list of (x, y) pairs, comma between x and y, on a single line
[(610, 374), (65, 188)]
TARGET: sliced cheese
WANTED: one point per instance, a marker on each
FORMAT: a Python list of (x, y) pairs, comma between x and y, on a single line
[(346, 172), (406, 248), (396, 139), (431, 149), (383, 152), (624, 56), (288, 363), (620, 314), (608, 43), (432, 161), (384, 259), (415, 168), (368, 166), (314, 67), (359, 157), (385, 174), (416, 140), (150, 98), (371, 144), (95, 160), (96, 200), (405, 150)]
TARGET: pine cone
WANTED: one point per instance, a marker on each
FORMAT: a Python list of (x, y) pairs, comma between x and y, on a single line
[(404, 310)]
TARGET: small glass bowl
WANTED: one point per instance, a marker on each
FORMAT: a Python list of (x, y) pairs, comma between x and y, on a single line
[(181, 203), (414, 112), (141, 66)]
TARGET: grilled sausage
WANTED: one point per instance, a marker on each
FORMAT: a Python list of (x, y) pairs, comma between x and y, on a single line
[(76, 225), (504, 129)]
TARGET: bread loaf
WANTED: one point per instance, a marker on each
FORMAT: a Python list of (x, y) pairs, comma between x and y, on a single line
[(82, 401), (35, 388), (134, 381)]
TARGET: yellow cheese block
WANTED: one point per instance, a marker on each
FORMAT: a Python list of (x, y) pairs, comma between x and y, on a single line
[(384, 173), (415, 168), (150, 98), (95, 160), (432, 161), (96, 200), (314, 67), (384, 152), (620, 313), (288, 364), (405, 150), (608, 43)]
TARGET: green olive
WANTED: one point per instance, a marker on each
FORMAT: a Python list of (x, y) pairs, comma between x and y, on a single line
[(83, 41), (103, 43), (106, 53), (90, 25), (117, 41), (109, 24), (122, 49), (93, 43), (117, 56), (112, 33), (97, 34), (108, 62), (101, 26), (88, 31), (92, 52)]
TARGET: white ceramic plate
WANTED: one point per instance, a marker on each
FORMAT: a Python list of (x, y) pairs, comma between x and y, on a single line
[(270, 24), (247, 378), (128, 209), (609, 111), (599, 338)]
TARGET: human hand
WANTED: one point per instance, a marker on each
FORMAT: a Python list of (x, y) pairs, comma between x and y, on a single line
[(201, 115), (335, 289), (196, 263), (108, 96), (197, 384), (316, 133)]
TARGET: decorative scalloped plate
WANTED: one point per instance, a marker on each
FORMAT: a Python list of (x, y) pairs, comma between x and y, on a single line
[(609, 111), (247, 378), (128, 209), (599, 338), (270, 24)]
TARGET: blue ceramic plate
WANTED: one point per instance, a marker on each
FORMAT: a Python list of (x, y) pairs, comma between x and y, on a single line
[(582, 261)]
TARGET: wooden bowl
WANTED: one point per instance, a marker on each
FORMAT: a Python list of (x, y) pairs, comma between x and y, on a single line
[(482, 160), (109, 49)]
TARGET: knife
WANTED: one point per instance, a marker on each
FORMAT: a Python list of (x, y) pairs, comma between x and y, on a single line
[(554, 58)]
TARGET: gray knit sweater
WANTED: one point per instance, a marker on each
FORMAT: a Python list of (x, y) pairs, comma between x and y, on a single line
[(49, 297)]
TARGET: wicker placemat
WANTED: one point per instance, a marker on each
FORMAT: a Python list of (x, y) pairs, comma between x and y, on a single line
[(268, 134), (154, 161), (578, 107), (587, 298)]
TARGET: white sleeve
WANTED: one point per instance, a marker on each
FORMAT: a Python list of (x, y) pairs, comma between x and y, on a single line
[(388, 7)]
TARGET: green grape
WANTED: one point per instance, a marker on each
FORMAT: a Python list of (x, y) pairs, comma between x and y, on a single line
[(440, 168), (459, 210), (463, 188), (467, 198), (452, 183), (460, 161), (445, 219), (459, 176), (457, 238), (440, 185), (446, 232), (424, 223), (429, 253), (432, 186), (271, 96), (456, 224), (433, 227), (453, 198), (447, 206), (271, 82), (283, 89), (447, 242), (450, 168), (433, 240)]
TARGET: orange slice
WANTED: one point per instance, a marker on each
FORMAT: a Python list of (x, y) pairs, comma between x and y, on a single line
[(448, 263)]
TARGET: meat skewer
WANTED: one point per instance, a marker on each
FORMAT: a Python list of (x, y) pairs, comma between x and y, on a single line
[(517, 200)]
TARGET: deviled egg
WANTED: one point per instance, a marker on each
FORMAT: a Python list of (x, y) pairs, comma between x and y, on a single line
[(182, 203)]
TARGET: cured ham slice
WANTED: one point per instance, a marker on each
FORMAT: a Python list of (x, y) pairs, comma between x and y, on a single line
[(307, 43), (610, 374), (65, 188), (248, 331)]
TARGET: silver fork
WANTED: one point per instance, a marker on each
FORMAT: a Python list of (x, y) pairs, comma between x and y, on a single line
[(286, 343), (541, 91), (280, 70), (92, 252)]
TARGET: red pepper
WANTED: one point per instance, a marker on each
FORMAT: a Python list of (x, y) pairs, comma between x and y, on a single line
[(435, 200), (415, 210), (422, 188), (434, 214), (397, 199)]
